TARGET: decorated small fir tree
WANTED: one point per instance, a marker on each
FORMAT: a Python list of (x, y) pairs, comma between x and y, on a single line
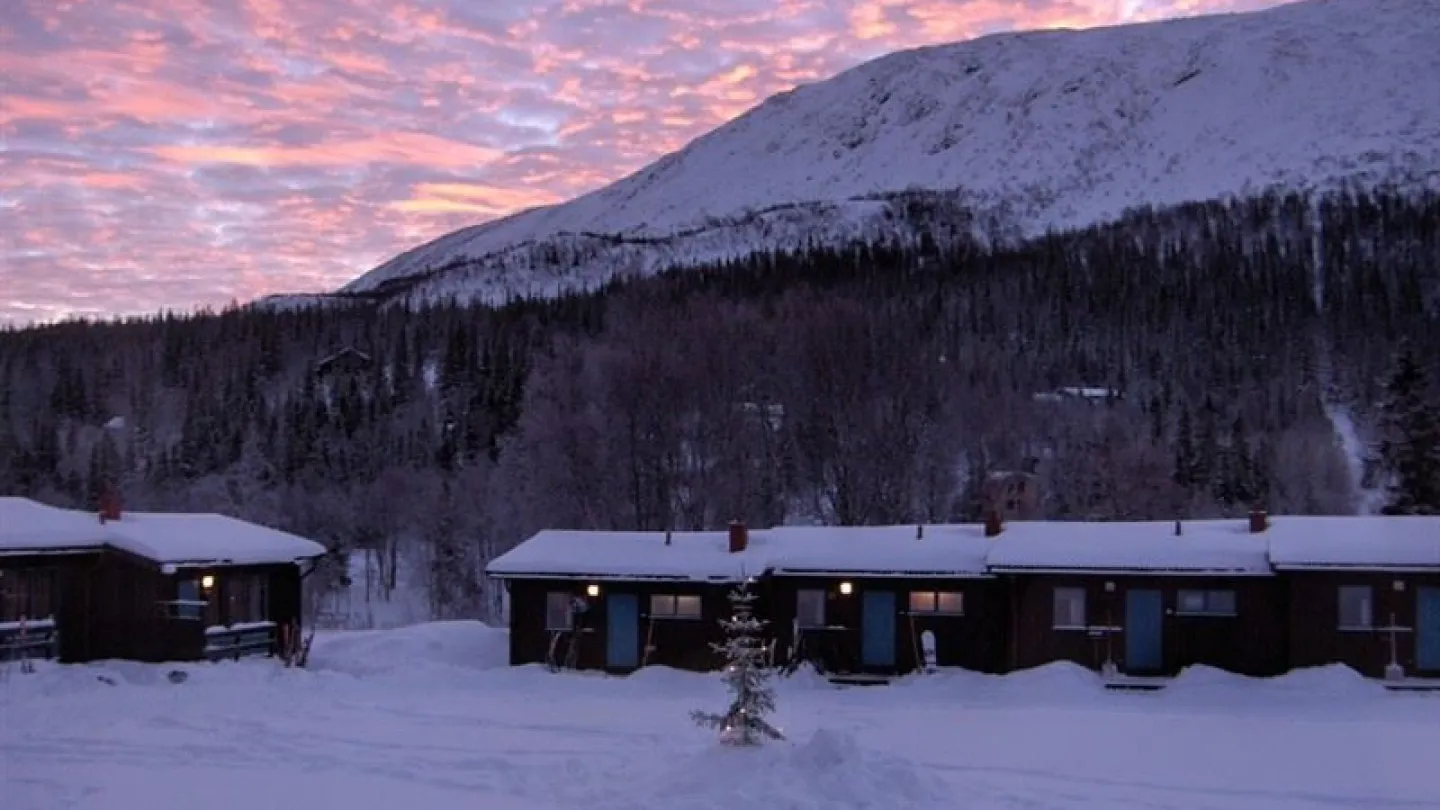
[(747, 676)]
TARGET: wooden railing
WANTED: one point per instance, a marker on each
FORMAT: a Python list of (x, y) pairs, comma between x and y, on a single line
[(29, 639), (240, 640)]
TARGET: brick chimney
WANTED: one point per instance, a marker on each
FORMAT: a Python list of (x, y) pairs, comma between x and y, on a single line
[(993, 525), (109, 506), (739, 537), (1258, 521)]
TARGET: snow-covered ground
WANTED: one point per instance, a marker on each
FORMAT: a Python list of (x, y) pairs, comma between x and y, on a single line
[(429, 717)]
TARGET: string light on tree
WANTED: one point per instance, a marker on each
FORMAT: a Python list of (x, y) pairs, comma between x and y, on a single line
[(746, 675)]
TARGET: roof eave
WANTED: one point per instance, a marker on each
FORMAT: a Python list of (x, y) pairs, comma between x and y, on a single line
[(1120, 571), (49, 552), (1383, 568), (613, 577), (873, 574)]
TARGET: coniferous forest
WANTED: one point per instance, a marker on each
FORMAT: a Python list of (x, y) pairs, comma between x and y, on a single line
[(1183, 363)]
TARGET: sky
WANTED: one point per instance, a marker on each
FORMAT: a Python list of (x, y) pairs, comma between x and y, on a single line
[(172, 154)]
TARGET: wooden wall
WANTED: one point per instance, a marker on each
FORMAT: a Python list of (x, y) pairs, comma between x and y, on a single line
[(679, 643), (1314, 617), (1253, 642), (975, 640), (70, 598)]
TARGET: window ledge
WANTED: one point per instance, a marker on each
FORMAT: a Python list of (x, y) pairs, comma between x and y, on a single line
[(1202, 614), (1355, 628)]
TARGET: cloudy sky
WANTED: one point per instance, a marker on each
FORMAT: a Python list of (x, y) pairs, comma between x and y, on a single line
[(168, 154)]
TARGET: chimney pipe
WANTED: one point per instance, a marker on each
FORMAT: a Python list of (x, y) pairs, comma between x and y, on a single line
[(1258, 520), (109, 506), (992, 523), (739, 537), (919, 531), (667, 537), (1177, 529)]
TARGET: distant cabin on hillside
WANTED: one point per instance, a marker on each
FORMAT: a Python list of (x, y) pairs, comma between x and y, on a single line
[(346, 361), (82, 586)]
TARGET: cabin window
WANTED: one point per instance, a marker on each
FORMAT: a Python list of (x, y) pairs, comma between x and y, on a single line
[(674, 606), (246, 599), (1205, 603), (189, 604), (950, 603), (558, 615), (810, 608), (1069, 608), (1356, 607), (27, 593)]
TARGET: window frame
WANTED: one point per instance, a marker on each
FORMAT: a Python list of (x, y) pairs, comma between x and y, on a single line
[(1367, 605), (1055, 602), (817, 596), (931, 603), (658, 611), (189, 607), (1208, 607), (557, 602)]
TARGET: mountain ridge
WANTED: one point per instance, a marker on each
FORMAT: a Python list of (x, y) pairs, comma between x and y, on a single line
[(1015, 133)]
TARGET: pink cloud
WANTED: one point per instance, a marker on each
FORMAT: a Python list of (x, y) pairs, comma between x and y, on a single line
[(168, 154)]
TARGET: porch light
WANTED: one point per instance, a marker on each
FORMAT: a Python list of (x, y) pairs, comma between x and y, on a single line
[(207, 582), (592, 590), (846, 588)]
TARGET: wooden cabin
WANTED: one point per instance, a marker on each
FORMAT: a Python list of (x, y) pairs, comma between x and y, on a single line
[(1256, 596), (1363, 591), (1143, 599), (79, 586), (860, 599), (618, 601)]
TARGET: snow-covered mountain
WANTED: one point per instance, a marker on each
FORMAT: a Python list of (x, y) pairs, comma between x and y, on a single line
[(1027, 131)]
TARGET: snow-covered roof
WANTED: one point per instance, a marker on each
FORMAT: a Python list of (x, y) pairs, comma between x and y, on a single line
[(1202, 547), (167, 538), (560, 554), (1392, 543), (937, 550), (27, 525), (951, 551)]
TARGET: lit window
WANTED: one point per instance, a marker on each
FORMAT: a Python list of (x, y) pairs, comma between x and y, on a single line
[(557, 611), (1356, 607), (810, 608), (674, 606), (1205, 603), (1069, 608), (939, 602)]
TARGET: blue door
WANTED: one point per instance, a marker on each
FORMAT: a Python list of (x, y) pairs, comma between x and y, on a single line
[(1144, 619), (622, 631), (878, 630), (1427, 628)]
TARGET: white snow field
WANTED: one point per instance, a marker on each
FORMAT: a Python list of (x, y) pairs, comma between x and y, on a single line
[(430, 717)]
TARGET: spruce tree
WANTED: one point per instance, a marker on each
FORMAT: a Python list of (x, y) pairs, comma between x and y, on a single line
[(1410, 440), (746, 674)]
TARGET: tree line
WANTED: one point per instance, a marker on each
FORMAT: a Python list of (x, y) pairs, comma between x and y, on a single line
[(871, 383)]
